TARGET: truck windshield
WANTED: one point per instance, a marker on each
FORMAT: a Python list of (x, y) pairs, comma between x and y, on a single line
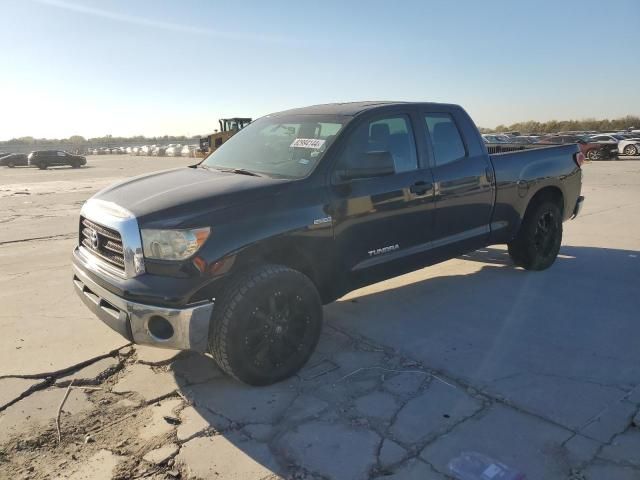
[(283, 146)]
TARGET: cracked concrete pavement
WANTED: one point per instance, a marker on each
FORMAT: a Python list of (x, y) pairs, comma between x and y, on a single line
[(536, 370)]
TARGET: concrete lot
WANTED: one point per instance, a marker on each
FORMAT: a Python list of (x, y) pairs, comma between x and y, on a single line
[(540, 371)]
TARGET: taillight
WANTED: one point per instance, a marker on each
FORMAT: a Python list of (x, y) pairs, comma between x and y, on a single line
[(579, 159)]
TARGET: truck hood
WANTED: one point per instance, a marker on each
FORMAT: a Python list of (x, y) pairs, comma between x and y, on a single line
[(184, 191)]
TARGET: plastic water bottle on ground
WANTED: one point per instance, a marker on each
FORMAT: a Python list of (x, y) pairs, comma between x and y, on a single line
[(476, 466)]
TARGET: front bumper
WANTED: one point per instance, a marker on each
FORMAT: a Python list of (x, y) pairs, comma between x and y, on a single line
[(138, 323)]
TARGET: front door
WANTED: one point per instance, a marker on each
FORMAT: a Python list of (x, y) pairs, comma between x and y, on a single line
[(380, 221)]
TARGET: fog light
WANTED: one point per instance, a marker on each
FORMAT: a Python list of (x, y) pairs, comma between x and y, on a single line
[(160, 328)]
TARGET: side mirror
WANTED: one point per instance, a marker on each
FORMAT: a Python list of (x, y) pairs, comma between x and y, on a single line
[(369, 165)]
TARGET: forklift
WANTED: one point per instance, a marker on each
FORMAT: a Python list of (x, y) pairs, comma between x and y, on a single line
[(228, 128)]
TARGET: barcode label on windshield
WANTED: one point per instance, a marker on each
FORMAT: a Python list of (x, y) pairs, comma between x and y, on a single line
[(307, 143)]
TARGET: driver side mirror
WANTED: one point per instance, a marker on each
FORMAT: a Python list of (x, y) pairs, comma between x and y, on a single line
[(369, 165)]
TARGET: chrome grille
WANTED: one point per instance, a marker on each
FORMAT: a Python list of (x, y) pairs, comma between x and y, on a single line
[(105, 243)]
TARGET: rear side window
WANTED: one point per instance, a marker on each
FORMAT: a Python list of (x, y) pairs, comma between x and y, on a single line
[(391, 134), (445, 138)]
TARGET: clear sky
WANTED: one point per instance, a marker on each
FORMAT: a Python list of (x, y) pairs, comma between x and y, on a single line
[(155, 67)]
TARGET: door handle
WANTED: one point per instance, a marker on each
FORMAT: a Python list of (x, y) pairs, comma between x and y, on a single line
[(420, 188)]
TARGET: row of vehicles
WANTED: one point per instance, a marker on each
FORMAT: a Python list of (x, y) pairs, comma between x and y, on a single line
[(42, 159), (171, 150), (594, 145)]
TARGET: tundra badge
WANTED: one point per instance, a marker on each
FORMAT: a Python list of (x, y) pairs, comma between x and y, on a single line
[(379, 251)]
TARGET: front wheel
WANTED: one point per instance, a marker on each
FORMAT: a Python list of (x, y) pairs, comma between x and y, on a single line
[(42, 166), (593, 154), (11, 164), (76, 165), (265, 325), (630, 150), (537, 243)]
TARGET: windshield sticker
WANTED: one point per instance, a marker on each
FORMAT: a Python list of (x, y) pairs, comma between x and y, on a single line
[(313, 143), (304, 161)]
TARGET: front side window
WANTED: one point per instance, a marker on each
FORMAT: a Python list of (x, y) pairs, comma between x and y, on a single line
[(445, 138), (281, 147), (386, 137)]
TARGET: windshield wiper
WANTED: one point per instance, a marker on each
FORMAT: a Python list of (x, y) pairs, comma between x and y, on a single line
[(241, 171)]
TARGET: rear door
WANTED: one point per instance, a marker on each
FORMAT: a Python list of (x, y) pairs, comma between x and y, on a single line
[(463, 180), (381, 221)]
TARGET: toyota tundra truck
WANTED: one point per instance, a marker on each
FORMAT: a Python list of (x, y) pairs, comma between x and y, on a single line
[(235, 256)]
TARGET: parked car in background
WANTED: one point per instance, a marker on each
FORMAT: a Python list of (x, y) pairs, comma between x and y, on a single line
[(159, 151), (147, 150), (490, 138), (188, 150), (14, 160), (591, 150), (44, 159), (174, 151), (523, 139), (135, 150), (625, 146), (631, 136)]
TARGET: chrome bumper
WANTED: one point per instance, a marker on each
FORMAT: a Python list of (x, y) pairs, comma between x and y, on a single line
[(190, 325)]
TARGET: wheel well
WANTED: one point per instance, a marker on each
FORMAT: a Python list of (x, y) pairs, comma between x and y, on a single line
[(294, 256), (553, 194)]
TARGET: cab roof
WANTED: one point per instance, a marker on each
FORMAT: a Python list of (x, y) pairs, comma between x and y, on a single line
[(348, 108)]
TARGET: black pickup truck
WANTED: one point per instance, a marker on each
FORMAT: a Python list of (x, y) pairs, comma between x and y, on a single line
[(237, 255)]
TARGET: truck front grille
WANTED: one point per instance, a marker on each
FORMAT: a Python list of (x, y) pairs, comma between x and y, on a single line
[(105, 243)]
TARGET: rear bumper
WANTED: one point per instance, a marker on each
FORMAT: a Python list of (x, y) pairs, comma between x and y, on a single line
[(138, 322), (578, 207)]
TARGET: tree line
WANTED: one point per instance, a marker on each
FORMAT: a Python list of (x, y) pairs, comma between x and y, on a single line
[(554, 126)]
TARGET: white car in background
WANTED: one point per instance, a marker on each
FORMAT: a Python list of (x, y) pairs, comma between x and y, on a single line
[(625, 146), (147, 150), (188, 150), (173, 150), (493, 138)]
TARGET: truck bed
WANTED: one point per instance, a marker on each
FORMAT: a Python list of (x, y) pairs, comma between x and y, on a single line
[(520, 173)]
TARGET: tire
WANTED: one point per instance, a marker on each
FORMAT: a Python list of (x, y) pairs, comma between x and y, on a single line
[(42, 166), (265, 324), (538, 241), (594, 154), (75, 165), (631, 150), (11, 164)]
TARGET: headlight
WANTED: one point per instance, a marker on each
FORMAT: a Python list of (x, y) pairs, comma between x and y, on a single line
[(173, 244)]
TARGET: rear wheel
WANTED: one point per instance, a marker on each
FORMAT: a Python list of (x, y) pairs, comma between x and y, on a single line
[(265, 325), (538, 241), (42, 166), (630, 150)]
